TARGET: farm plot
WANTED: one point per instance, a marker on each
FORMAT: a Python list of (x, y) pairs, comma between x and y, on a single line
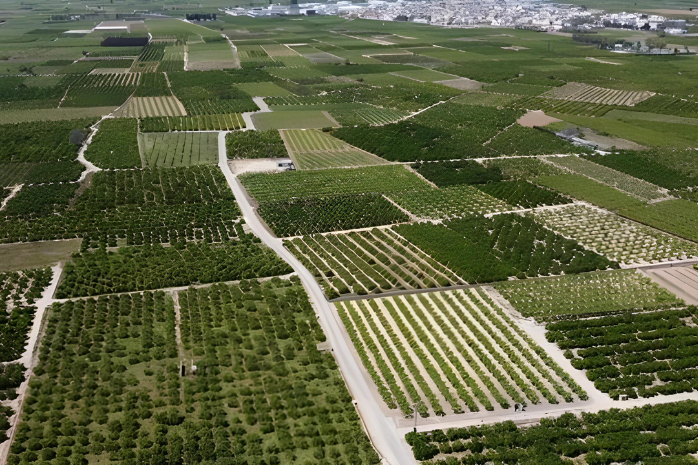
[(115, 145), (173, 59), (263, 89), (523, 194), (610, 177), (268, 368), (450, 202), (279, 50), (157, 267), (13, 174), (227, 122), (142, 107), (375, 179), (614, 237), (252, 53), (637, 355), (592, 294), (255, 144), (310, 119), (369, 115), (371, 261), (568, 107), (168, 150), (310, 215), (18, 291), (143, 206), (211, 56), (451, 352), (637, 434), (528, 247), (101, 90), (265, 375), (312, 149), (574, 91), (40, 141)]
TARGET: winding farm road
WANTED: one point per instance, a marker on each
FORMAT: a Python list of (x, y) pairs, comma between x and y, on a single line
[(381, 430)]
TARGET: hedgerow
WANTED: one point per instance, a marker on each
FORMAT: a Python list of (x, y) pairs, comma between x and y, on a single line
[(255, 144), (116, 144), (309, 215)]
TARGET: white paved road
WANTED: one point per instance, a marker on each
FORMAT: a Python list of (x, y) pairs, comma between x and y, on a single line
[(382, 430)]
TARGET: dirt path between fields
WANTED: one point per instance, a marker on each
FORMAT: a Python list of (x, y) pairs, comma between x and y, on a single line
[(30, 357)]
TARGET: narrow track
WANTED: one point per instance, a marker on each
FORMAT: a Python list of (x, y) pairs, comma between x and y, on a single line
[(381, 430)]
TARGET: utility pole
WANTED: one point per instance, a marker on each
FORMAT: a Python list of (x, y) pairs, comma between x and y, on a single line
[(414, 406)]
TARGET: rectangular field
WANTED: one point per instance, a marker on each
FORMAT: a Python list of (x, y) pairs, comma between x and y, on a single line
[(372, 261), (610, 177), (168, 150), (312, 149), (142, 107), (210, 56), (227, 122), (585, 93), (451, 352), (312, 119), (615, 237), (587, 294)]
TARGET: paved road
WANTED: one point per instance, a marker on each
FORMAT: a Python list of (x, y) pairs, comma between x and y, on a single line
[(381, 429)]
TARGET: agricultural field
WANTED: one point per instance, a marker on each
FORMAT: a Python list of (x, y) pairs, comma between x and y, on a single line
[(19, 291), (100, 90), (425, 254), (449, 202), (595, 294), (157, 267), (116, 144), (312, 149), (435, 134), (310, 119), (635, 355), (255, 144), (585, 93), (614, 237), (128, 207), (263, 89), (167, 150), (143, 369), (310, 215), (636, 434), (228, 122), (610, 177), (461, 343), (372, 261), (377, 179), (211, 56), (143, 107)]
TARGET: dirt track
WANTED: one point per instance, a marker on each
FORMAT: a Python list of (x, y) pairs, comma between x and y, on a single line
[(681, 280)]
